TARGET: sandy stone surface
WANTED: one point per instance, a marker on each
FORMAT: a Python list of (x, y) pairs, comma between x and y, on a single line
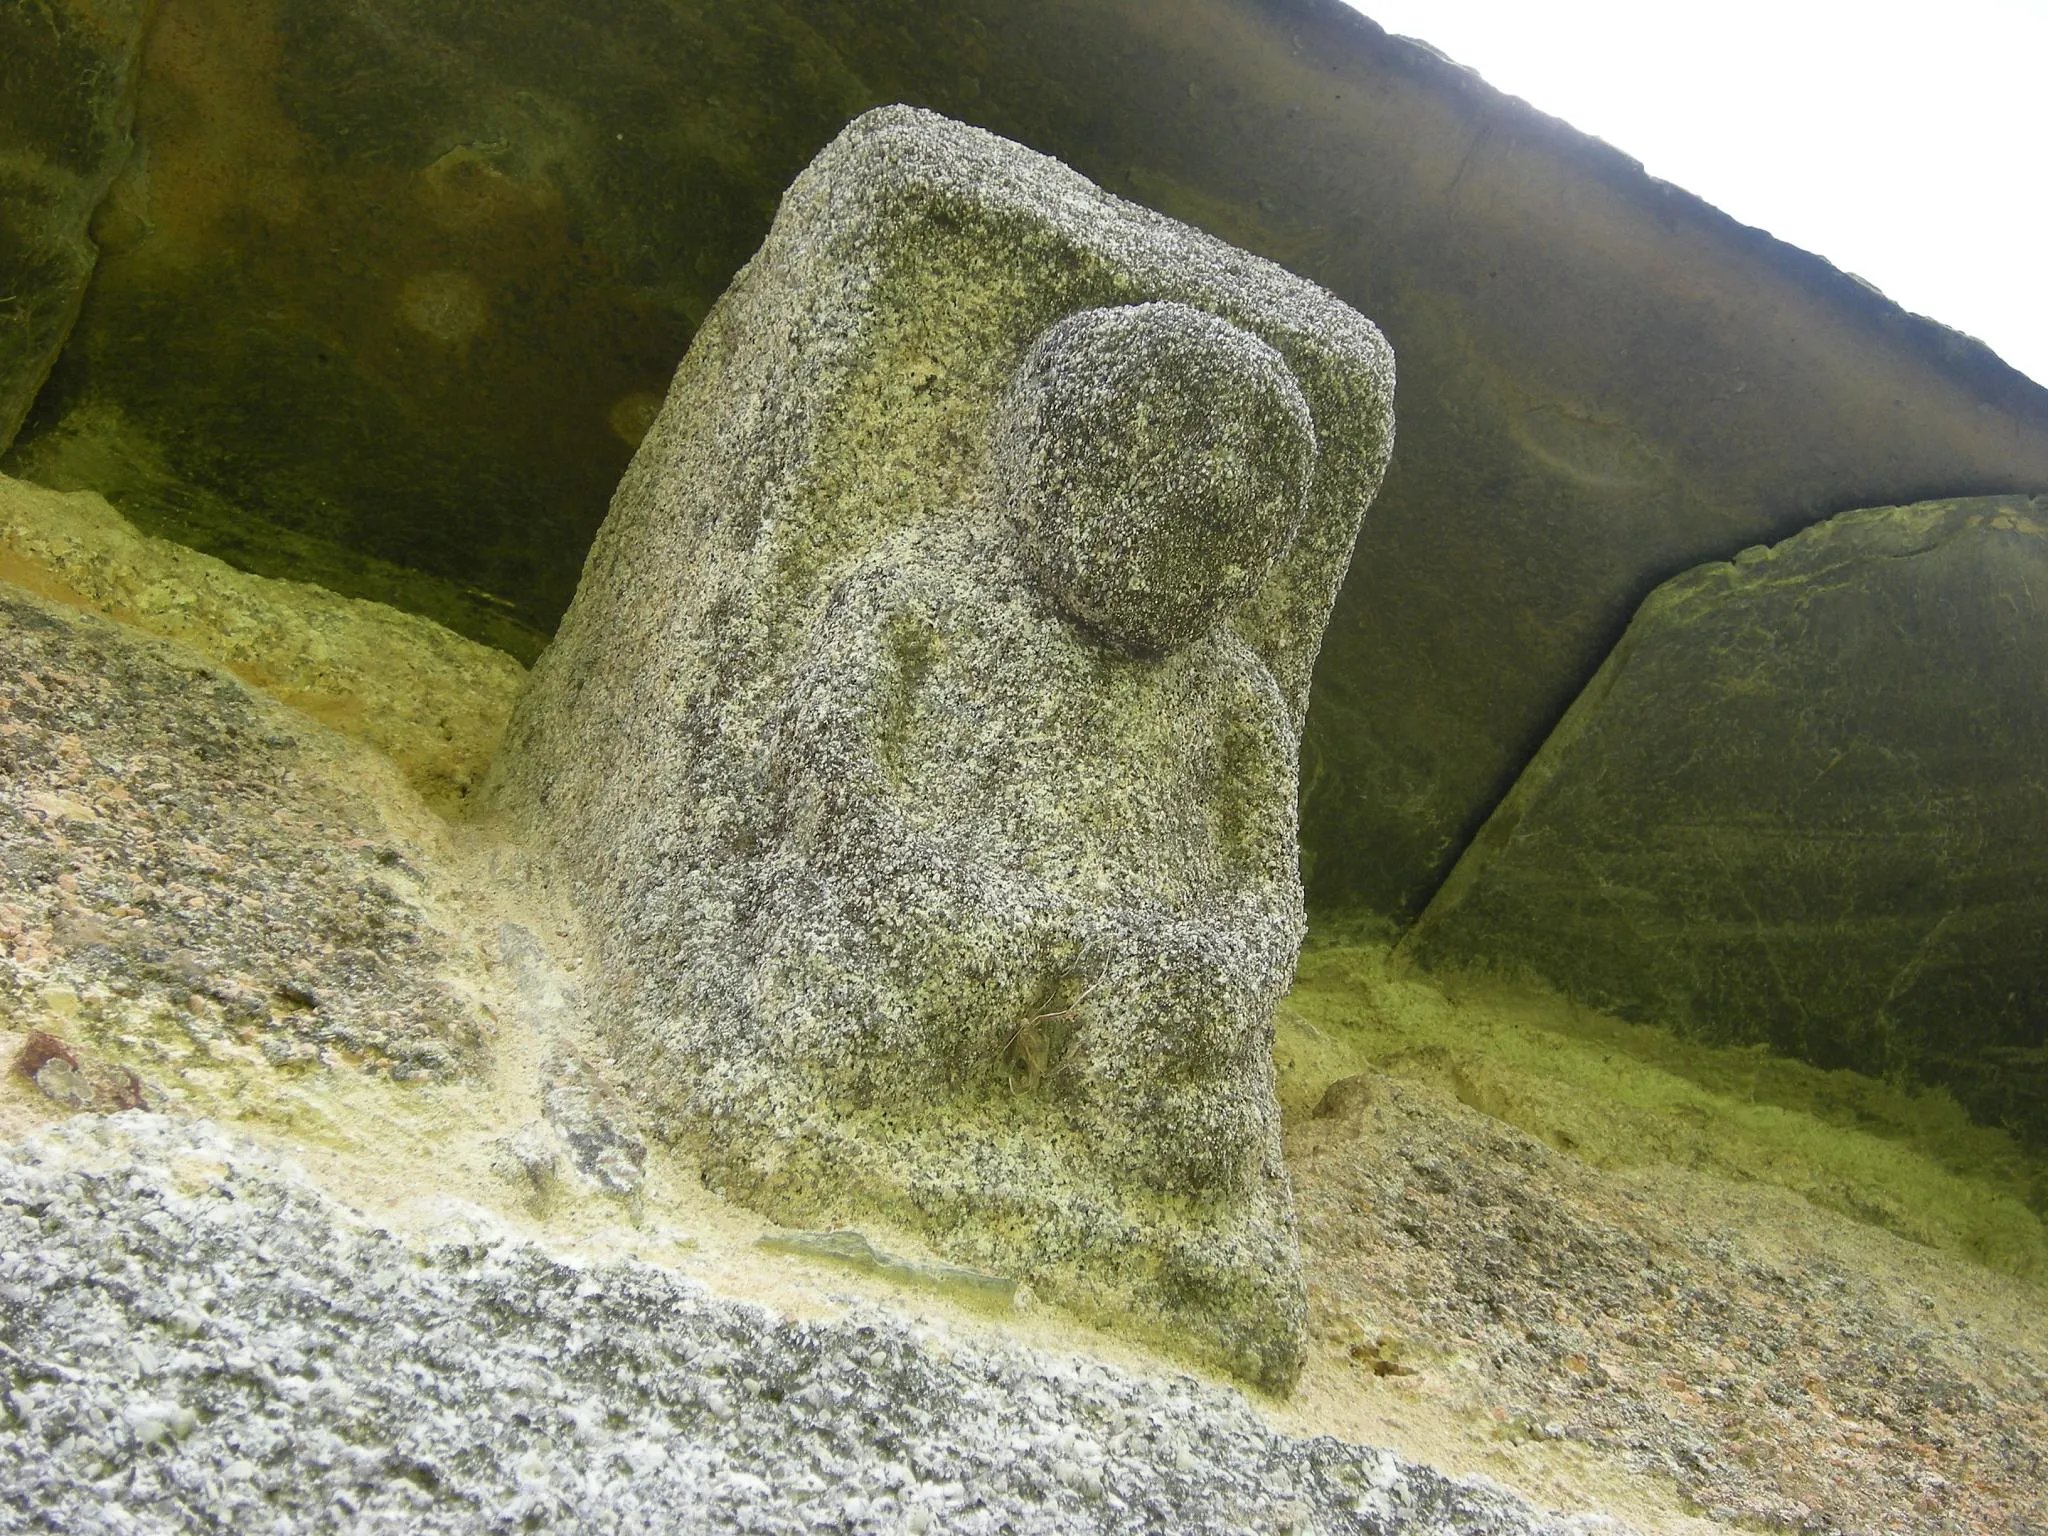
[(1777, 1365)]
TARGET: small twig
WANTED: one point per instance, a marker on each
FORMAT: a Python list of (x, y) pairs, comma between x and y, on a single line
[(1051, 1015), (1029, 1041)]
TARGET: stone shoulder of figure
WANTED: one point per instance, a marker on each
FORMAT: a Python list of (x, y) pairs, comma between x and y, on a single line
[(1048, 681)]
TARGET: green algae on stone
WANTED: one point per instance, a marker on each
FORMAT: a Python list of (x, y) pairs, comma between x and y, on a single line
[(101, 451), (431, 701), (386, 294), (1802, 806), (1622, 1096)]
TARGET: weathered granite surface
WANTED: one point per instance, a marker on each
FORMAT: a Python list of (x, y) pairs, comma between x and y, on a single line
[(67, 99), (1782, 1369), (921, 743), (396, 283), (192, 874), (1156, 461), (1652, 1322), (267, 1358), (1803, 805), (431, 701)]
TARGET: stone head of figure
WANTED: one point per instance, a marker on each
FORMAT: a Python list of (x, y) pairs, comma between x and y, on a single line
[(1156, 460)]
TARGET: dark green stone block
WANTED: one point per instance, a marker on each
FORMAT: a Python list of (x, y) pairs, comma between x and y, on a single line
[(67, 72), (1804, 804)]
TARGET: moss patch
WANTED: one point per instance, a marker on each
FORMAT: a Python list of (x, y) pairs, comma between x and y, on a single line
[(1619, 1095)]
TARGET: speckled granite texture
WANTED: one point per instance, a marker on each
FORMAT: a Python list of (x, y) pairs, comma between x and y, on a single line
[(193, 1339), (189, 869), (929, 784)]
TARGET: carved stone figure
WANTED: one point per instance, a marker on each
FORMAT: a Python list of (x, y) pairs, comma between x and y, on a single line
[(921, 745)]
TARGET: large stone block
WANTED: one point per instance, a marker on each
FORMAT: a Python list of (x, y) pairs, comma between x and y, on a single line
[(391, 287), (1803, 805), (921, 743), (67, 77)]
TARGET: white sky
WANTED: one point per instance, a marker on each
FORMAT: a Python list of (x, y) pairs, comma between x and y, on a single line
[(1908, 145)]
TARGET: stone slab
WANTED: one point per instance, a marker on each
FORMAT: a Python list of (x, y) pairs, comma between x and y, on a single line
[(1803, 805), (200, 1328)]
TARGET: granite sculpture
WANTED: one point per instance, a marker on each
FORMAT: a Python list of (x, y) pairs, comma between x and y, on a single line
[(921, 745)]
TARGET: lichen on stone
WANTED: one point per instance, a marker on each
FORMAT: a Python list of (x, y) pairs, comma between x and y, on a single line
[(428, 699), (922, 743), (186, 878)]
